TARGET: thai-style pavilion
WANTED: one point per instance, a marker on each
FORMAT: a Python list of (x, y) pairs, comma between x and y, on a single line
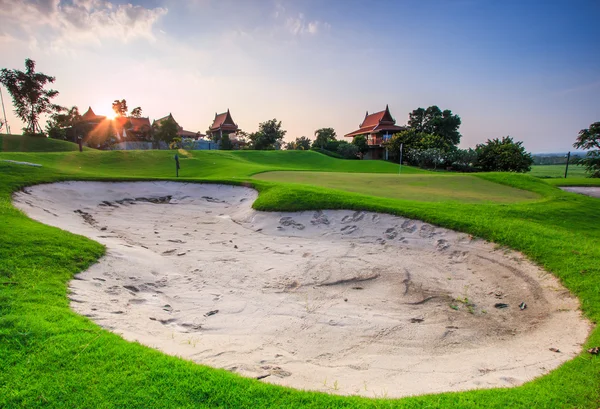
[(377, 128), (223, 125), (91, 118)]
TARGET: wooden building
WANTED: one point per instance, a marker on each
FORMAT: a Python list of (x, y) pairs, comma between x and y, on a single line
[(377, 128), (223, 125)]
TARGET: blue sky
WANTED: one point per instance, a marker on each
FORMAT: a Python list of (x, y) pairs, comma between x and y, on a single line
[(528, 69)]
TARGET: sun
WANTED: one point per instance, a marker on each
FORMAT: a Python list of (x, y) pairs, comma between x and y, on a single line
[(111, 115)]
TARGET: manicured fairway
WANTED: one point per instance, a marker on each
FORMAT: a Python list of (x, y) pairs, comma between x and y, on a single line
[(421, 187), (557, 171), (52, 357)]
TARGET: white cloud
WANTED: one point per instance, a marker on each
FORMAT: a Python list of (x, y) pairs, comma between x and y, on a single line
[(297, 24), (61, 24)]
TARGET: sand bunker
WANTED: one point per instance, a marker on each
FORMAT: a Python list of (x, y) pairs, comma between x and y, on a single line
[(338, 301), (593, 191)]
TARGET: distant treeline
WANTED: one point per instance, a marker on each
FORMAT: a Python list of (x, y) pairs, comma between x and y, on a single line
[(555, 158)]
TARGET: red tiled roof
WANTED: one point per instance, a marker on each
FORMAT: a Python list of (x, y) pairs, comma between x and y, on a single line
[(90, 116), (137, 124), (223, 121), (375, 123)]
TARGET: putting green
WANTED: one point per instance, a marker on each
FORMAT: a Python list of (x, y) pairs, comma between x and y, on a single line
[(420, 187)]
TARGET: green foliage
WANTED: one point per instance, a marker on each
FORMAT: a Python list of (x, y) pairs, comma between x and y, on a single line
[(429, 158), (590, 139), (462, 160), (324, 136), (166, 130), (226, 144), (176, 143), (409, 140), (503, 155), (120, 107), (301, 144), (434, 121), (348, 150), (66, 124), (29, 96), (269, 135), (360, 141), (136, 112)]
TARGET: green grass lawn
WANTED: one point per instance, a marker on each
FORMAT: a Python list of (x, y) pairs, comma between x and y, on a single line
[(557, 171), (420, 187), (52, 357), (20, 143)]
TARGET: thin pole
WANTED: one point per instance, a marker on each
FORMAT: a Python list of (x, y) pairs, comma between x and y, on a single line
[(567, 168), (4, 112), (400, 168)]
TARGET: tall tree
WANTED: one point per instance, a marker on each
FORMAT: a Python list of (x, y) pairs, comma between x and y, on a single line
[(65, 124), (120, 107), (323, 136), (269, 135), (165, 130), (136, 112), (361, 143), (29, 96), (434, 121), (590, 139)]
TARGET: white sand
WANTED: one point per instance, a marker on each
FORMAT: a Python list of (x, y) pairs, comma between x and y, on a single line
[(593, 191), (337, 301)]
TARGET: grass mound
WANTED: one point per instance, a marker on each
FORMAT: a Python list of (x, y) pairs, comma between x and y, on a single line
[(22, 143)]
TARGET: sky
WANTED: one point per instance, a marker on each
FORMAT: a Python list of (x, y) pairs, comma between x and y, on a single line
[(528, 69)]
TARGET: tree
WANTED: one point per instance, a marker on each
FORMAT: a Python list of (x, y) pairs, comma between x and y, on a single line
[(135, 112), (29, 96), (300, 144), (360, 141), (165, 130), (323, 136), (226, 144), (120, 107), (503, 155), (1, 124), (590, 139), (347, 150), (269, 135), (408, 139), (65, 124), (434, 121), (462, 160)]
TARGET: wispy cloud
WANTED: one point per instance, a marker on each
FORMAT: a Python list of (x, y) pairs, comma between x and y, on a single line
[(62, 24), (297, 23)]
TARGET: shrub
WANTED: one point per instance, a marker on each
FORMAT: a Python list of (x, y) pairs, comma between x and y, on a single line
[(503, 155)]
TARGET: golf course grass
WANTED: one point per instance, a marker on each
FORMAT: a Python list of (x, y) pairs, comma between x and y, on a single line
[(20, 143), (421, 187), (52, 357), (557, 171)]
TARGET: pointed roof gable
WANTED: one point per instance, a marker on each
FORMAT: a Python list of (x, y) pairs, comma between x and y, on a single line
[(224, 121), (90, 115), (374, 123)]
